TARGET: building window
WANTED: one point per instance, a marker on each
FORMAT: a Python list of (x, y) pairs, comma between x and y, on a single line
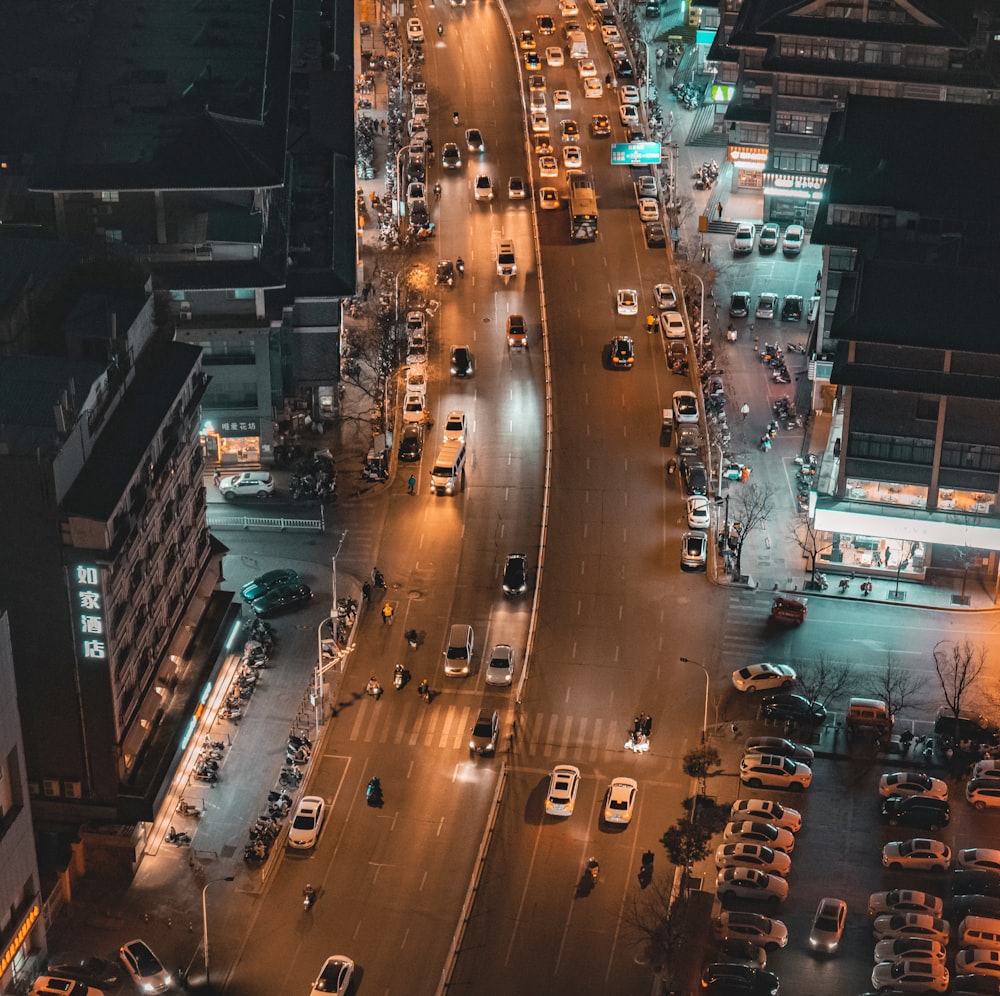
[(244, 294), (51, 788), (109, 196), (927, 408)]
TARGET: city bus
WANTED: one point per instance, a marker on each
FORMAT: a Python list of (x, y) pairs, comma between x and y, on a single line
[(582, 208)]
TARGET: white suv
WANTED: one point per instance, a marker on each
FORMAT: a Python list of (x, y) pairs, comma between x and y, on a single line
[(506, 262), (250, 483), (757, 770)]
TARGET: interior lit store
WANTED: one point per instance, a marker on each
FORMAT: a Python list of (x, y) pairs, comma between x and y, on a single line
[(886, 529), (231, 442)]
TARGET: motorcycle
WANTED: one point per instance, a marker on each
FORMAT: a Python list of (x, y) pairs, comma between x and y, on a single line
[(845, 583), (399, 677), (178, 837), (295, 741), (374, 689), (231, 712), (203, 774), (821, 582), (186, 809), (298, 756), (373, 793), (424, 690), (308, 898), (866, 588), (593, 869), (256, 850)]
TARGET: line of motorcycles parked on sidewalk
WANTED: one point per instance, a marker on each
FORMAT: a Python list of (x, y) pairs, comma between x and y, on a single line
[(268, 825), (255, 658)]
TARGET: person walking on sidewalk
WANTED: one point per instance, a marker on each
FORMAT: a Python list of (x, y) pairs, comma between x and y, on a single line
[(718, 208), (411, 484), (745, 411), (217, 476), (386, 613)]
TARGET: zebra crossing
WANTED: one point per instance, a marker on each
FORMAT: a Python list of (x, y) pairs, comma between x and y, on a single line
[(541, 736)]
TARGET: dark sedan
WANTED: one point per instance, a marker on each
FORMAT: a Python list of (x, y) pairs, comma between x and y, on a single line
[(792, 708), (83, 968), (916, 811), (461, 361), (733, 979), (280, 598), (254, 589), (515, 574), (695, 477)]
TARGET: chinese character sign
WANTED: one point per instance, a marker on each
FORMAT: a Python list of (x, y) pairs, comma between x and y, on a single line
[(89, 612)]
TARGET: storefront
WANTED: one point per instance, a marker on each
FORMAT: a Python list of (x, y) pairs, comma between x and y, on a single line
[(748, 167), (232, 441), (792, 199), (896, 536)]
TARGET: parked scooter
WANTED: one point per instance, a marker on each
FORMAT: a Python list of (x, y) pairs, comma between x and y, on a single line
[(186, 809), (178, 837)]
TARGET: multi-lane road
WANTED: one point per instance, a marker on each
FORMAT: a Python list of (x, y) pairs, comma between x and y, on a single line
[(614, 613)]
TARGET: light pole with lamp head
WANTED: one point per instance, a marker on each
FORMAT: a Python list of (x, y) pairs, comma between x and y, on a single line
[(204, 921), (704, 722)]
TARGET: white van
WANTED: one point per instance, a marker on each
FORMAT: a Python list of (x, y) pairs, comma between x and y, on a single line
[(979, 932), (448, 472)]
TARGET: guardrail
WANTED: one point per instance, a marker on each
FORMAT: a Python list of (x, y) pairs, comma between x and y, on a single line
[(218, 520)]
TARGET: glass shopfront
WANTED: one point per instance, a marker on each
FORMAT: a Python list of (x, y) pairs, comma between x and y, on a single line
[(231, 441)]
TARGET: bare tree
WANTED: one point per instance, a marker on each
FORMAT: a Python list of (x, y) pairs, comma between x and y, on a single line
[(959, 665), (807, 538), (661, 924), (897, 686), (823, 680), (749, 508), (966, 558)]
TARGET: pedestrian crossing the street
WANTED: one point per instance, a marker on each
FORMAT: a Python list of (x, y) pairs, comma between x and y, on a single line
[(542, 736)]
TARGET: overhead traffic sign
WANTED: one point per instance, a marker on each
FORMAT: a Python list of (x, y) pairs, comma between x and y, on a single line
[(636, 154)]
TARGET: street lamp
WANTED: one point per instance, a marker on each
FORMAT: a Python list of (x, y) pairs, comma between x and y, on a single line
[(704, 722), (204, 921), (327, 648)]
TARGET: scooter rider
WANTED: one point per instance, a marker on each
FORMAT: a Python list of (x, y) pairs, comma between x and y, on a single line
[(440, 29), (308, 896), (460, 266)]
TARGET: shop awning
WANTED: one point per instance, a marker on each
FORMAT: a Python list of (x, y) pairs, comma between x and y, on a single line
[(954, 528)]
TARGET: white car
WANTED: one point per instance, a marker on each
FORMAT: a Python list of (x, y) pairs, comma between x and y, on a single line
[(984, 858), (416, 323), (989, 768), (561, 100), (569, 131), (699, 512), (620, 800), (539, 121), (767, 304), (516, 189), (307, 822), (483, 188), (568, 8), (907, 783), (911, 925), (744, 238), (554, 57), (548, 198), (911, 976), (764, 931), (251, 483), (334, 977), (416, 349), (665, 297), (455, 427), (766, 811), (414, 192), (628, 301), (592, 89), (755, 832), (586, 69), (898, 948), (609, 33), (563, 785), (145, 968), (978, 961), (748, 883), (904, 901), (548, 166), (685, 405), (774, 771), (414, 30), (572, 156), (828, 925), (791, 244), (918, 853), (746, 855), (500, 669), (629, 114), (413, 409), (672, 325), (628, 94), (649, 210), (764, 677)]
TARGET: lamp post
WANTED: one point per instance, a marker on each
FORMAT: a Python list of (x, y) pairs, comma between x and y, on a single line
[(204, 921), (704, 722), (322, 664)]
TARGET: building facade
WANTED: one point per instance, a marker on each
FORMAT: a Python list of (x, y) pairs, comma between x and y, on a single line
[(912, 471), (792, 64)]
